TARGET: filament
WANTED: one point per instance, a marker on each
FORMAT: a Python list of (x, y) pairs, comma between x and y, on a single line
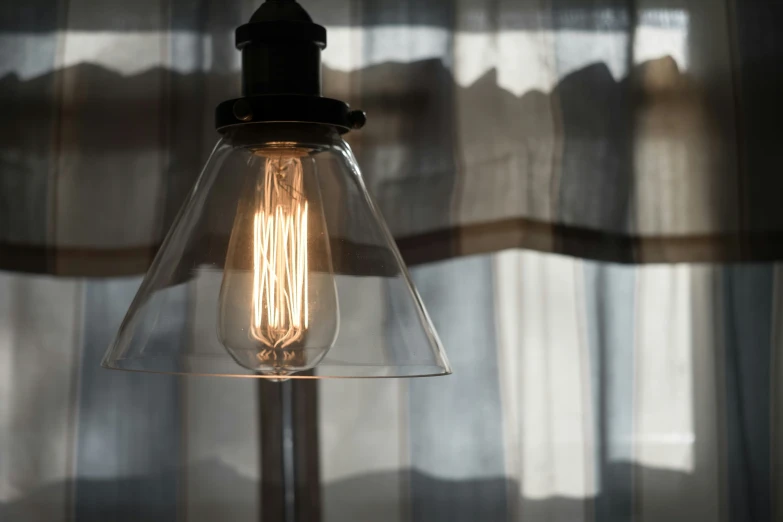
[(280, 310)]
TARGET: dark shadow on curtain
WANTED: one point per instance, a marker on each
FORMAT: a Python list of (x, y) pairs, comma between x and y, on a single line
[(144, 15), (433, 500), (88, 207)]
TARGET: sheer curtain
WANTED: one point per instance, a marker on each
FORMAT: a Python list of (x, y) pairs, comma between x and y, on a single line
[(587, 192)]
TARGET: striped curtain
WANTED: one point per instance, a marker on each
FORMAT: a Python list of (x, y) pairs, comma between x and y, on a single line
[(588, 196), (582, 391)]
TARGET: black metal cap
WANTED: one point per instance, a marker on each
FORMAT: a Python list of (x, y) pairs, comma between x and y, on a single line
[(280, 21), (275, 10), (281, 72)]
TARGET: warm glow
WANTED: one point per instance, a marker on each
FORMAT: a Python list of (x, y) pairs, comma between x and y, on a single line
[(280, 314)]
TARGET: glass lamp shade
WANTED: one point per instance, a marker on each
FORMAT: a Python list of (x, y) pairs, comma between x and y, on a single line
[(279, 265)]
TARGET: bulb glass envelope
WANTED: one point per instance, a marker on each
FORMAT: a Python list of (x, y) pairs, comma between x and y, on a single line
[(279, 265)]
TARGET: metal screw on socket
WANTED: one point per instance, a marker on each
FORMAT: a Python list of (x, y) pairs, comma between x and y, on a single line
[(242, 110), (357, 119)]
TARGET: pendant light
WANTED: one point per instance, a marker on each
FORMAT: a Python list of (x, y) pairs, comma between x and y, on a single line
[(279, 264)]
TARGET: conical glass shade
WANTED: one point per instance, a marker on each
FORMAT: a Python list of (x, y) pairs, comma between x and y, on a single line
[(279, 265)]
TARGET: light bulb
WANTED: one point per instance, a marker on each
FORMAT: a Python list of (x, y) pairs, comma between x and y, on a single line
[(278, 310), (257, 217)]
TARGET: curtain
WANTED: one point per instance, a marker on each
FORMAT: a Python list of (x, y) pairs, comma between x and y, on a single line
[(582, 391), (586, 192)]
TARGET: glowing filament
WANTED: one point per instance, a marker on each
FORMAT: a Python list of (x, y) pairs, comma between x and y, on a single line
[(280, 315)]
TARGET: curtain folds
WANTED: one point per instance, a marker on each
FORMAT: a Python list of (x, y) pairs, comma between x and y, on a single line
[(625, 131)]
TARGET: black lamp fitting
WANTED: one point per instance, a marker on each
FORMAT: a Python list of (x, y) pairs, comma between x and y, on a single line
[(281, 72)]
